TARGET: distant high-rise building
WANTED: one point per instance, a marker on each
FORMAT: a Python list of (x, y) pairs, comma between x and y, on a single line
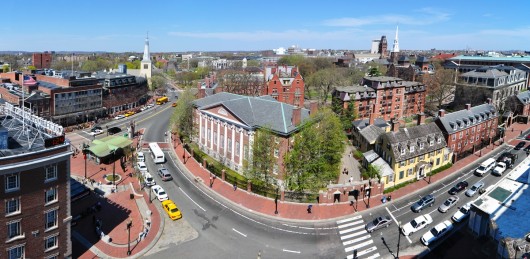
[(42, 60), (375, 46)]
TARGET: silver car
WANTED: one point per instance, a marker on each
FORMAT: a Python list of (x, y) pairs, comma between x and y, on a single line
[(474, 189), (378, 223), (448, 204)]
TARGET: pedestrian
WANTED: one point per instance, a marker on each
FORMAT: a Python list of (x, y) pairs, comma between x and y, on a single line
[(389, 197), (309, 208), (347, 172), (351, 179), (235, 186)]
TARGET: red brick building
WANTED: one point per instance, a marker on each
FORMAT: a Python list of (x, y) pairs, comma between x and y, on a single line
[(519, 104), (42, 60), (285, 84), (226, 124), (389, 97), (469, 129), (35, 199)]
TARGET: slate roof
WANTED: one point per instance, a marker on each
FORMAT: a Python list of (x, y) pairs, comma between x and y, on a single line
[(255, 112), (423, 59), (371, 133), (354, 89), (489, 73), (403, 58), (524, 97), (405, 143), (363, 123), (457, 121)]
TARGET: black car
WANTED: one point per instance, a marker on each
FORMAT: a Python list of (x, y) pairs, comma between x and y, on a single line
[(458, 187), (114, 130), (520, 145), (503, 156), (527, 148), (425, 201)]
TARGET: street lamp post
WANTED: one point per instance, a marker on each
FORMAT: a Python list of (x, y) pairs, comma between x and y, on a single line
[(114, 168), (84, 157), (399, 239), (430, 171), (129, 225), (276, 202)]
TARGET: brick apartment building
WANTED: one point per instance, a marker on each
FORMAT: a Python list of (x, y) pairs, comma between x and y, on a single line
[(226, 124), (389, 97), (285, 84), (469, 129), (41, 60), (34, 194), (519, 104)]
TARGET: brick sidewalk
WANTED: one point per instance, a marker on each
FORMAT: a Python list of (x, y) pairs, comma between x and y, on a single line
[(298, 211)]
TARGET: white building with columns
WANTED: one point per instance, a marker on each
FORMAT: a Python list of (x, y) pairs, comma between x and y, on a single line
[(225, 125)]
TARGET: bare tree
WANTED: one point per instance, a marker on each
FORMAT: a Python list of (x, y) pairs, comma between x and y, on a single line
[(240, 82), (440, 87)]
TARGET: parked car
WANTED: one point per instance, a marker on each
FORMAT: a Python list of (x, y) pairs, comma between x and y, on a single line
[(148, 178), (129, 113), (164, 174), (425, 201), (378, 223), (144, 108), (462, 213), (114, 130), (448, 204), (159, 192), (499, 169), (474, 189), (416, 224), (520, 145), (527, 137), (458, 187), (503, 156), (142, 167), (119, 117), (96, 128), (527, 148), (171, 209), (436, 232)]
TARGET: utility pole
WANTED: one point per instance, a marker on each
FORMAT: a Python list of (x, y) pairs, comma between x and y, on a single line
[(129, 225), (399, 239)]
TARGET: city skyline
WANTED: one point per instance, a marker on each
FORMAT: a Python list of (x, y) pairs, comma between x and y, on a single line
[(180, 27)]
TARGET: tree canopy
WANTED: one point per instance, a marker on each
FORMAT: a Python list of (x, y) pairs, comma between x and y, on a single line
[(181, 120), (261, 164), (440, 87)]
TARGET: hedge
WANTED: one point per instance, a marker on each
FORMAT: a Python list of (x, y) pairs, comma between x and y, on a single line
[(433, 172)]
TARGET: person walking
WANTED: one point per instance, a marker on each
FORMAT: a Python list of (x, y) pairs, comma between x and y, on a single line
[(235, 186), (309, 208)]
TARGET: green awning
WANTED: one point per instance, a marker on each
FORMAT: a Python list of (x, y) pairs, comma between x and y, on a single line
[(104, 147)]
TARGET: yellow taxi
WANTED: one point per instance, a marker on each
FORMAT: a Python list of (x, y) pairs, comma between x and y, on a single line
[(171, 209), (127, 114)]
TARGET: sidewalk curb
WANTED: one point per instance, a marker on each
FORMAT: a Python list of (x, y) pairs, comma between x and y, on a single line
[(134, 191), (157, 237)]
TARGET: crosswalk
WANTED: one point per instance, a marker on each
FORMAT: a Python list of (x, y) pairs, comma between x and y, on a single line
[(355, 237)]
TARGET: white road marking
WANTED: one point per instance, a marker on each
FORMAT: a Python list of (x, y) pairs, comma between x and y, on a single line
[(349, 242), (350, 224), (351, 248), (291, 251), (348, 219), (371, 249), (191, 199), (350, 230), (410, 241), (353, 235), (239, 232), (373, 256), (386, 208)]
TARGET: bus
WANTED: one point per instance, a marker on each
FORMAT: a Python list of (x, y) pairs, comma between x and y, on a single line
[(162, 100), (156, 153)]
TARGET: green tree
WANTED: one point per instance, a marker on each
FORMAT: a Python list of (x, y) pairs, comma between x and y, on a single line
[(5, 68), (291, 60), (261, 164), (374, 71), (371, 172), (348, 116), (90, 66), (181, 120), (133, 65), (440, 87), (157, 82), (323, 81), (253, 63)]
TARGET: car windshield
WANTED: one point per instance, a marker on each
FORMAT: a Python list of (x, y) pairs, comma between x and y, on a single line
[(376, 221), (174, 210), (474, 188), (464, 210), (413, 223), (162, 193), (434, 232), (481, 168), (149, 179), (447, 203)]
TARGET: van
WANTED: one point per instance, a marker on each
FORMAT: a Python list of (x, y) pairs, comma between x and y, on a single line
[(485, 167), (140, 157), (142, 167)]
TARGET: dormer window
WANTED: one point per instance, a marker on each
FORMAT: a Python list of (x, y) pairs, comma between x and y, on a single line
[(421, 145), (468, 123), (402, 150), (411, 148), (431, 142), (439, 140)]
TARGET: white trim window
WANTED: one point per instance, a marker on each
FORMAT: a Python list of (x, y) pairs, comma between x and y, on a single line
[(276, 152), (51, 219), (50, 196), (51, 242), (12, 206), (14, 229), (12, 182), (51, 173), (16, 252), (237, 148)]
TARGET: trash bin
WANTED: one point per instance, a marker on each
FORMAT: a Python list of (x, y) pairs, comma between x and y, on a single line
[(132, 196)]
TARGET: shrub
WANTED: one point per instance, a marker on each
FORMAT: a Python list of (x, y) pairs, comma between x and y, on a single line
[(358, 154)]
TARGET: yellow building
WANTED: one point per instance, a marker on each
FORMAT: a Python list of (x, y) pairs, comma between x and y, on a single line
[(412, 152)]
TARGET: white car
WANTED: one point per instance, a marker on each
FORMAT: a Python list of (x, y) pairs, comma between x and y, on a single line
[(499, 169), (416, 224), (95, 132), (462, 213), (148, 178), (436, 232), (144, 108), (160, 194), (119, 117)]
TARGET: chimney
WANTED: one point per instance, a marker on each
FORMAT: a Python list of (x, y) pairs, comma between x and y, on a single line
[(395, 125), (313, 107), (297, 116), (489, 100), (202, 93), (468, 106), (441, 113), (421, 118)]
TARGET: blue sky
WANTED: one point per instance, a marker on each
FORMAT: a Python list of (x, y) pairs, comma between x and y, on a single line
[(177, 26)]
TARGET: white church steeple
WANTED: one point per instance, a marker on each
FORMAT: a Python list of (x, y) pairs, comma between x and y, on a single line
[(147, 56), (146, 66), (395, 48)]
